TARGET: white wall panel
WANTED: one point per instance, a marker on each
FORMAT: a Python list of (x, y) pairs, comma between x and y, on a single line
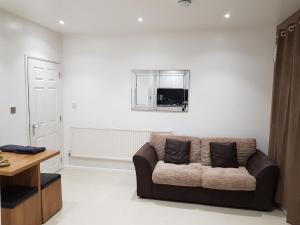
[(20, 37), (230, 81)]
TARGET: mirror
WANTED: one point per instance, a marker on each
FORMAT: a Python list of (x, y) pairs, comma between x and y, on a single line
[(160, 90)]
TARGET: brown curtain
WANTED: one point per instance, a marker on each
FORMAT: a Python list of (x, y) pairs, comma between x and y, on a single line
[(284, 145)]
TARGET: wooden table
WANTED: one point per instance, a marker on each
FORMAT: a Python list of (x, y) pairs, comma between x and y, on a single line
[(25, 171)]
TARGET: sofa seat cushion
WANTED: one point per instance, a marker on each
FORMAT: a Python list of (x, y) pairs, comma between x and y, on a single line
[(230, 179), (178, 175), (158, 142), (246, 147)]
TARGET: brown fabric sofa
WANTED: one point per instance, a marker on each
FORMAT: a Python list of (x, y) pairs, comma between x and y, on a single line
[(250, 186)]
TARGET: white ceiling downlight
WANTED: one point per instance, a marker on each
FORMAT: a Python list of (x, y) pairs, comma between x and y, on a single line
[(140, 19), (227, 15), (61, 22), (184, 3)]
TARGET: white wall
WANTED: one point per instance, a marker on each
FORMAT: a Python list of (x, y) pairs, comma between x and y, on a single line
[(17, 38), (231, 81)]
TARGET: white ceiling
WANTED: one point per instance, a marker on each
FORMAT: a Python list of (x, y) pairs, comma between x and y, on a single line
[(120, 16)]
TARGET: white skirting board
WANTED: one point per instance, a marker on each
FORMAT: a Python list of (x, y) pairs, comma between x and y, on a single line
[(104, 147), (100, 163)]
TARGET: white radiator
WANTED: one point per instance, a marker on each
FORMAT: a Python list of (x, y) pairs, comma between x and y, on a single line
[(107, 144)]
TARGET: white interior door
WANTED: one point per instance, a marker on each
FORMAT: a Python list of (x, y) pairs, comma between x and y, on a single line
[(44, 109)]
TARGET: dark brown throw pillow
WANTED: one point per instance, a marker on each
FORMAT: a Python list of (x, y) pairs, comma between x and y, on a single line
[(223, 155), (177, 152)]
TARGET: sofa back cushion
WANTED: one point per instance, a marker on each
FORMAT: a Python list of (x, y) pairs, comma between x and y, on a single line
[(246, 147), (158, 141)]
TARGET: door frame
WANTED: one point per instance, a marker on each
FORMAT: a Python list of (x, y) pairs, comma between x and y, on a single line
[(60, 102)]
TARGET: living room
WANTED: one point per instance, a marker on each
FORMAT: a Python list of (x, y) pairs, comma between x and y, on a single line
[(138, 111)]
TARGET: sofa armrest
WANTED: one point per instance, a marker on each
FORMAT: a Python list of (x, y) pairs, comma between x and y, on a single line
[(266, 173), (259, 164), (145, 161)]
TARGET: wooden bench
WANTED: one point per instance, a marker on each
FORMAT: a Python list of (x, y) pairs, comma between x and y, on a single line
[(51, 195), (20, 205)]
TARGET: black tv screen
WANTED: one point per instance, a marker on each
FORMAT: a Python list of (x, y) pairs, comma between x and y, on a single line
[(172, 96)]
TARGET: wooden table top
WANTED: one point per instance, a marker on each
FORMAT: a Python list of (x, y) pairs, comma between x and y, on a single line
[(21, 162)]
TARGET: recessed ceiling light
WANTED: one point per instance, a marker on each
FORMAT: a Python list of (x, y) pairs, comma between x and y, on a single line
[(140, 19), (227, 15), (61, 22), (184, 3)]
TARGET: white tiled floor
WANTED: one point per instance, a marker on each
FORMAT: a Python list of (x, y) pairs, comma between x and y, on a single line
[(107, 197)]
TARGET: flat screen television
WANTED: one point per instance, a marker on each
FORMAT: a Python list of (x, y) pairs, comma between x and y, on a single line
[(172, 96)]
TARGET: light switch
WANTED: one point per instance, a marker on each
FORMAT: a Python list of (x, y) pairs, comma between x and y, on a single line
[(74, 105), (13, 110)]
